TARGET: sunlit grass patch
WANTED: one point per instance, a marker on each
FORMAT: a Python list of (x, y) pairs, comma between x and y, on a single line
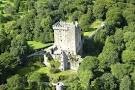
[(96, 24), (56, 76), (87, 34), (38, 45)]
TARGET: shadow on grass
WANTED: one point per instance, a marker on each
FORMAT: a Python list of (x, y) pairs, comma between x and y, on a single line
[(31, 65), (26, 70)]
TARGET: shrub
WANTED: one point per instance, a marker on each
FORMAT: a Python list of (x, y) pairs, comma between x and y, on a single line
[(54, 70), (55, 64), (62, 77)]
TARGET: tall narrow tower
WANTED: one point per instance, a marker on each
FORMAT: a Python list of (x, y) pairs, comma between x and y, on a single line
[(67, 37)]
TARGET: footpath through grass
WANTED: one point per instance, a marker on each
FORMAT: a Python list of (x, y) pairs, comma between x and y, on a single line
[(96, 24)]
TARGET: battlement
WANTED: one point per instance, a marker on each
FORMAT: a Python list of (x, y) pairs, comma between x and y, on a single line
[(61, 25)]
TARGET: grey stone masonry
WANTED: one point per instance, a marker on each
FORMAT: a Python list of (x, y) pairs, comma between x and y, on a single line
[(67, 37), (67, 43)]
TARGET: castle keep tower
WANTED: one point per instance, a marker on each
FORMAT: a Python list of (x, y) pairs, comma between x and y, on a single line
[(67, 45), (67, 37)]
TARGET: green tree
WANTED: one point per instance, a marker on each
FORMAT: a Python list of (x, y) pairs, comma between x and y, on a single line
[(8, 61), (76, 15), (2, 19), (120, 70), (37, 29), (19, 48), (9, 9), (99, 38), (125, 83), (46, 22), (15, 83), (130, 45), (7, 64), (86, 70), (124, 1), (111, 52), (133, 79), (85, 2), (99, 11), (129, 14), (85, 21), (17, 5), (105, 82), (30, 4), (132, 1), (53, 4), (114, 17), (73, 83), (37, 80), (130, 27), (27, 25), (100, 8), (128, 56), (4, 41), (109, 55), (129, 36)]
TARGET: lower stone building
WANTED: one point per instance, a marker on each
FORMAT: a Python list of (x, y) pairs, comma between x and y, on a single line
[(67, 60)]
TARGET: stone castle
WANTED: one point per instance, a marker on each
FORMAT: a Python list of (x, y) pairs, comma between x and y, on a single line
[(67, 46)]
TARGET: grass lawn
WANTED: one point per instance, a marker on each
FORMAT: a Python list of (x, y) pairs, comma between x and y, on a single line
[(29, 70), (36, 66), (38, 45), (55, 76), (44, 70)]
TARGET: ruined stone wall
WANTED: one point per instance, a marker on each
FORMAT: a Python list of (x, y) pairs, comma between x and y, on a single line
[(67, 39)]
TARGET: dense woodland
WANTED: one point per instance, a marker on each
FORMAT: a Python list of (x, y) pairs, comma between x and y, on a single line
[(109, 57)]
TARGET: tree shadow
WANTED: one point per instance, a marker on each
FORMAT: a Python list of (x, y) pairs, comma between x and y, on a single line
[(32, 64), (92, 47)]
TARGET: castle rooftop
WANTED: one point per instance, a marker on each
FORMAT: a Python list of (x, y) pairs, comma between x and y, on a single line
[(61, 25)]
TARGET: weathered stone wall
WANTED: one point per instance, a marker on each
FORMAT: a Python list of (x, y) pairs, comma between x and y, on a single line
[(68, 38), (67, 41), (78, 40)]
